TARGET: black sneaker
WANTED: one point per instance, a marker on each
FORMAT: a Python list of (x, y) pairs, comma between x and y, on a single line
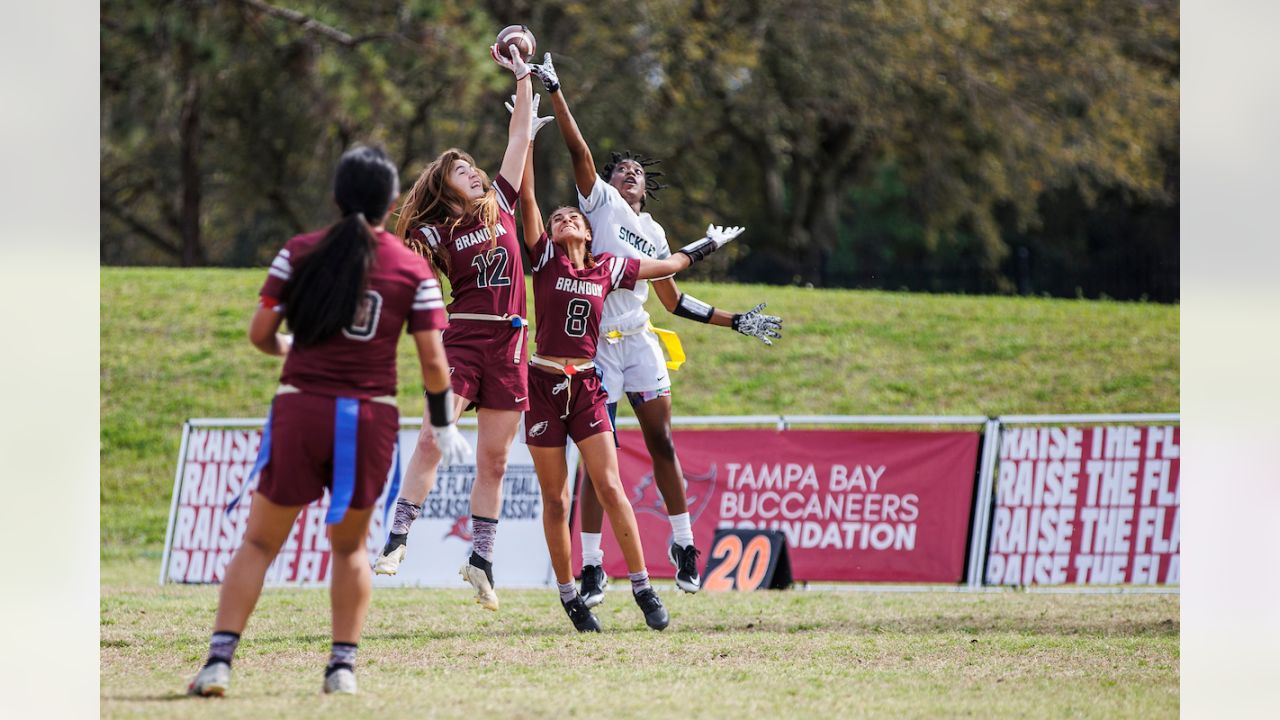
[(686, 561), (655, 616), (594, 583), (582, 618)]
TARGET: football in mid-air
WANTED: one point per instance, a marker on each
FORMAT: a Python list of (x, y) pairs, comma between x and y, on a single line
[(521, 37)]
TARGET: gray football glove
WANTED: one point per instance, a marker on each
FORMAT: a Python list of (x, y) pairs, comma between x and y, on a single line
[(754, 323), (546, 72)]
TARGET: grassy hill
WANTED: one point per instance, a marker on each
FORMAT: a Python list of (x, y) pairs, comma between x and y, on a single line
[(174, 347)]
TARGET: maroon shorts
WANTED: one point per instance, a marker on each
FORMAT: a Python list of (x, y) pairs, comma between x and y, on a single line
[(588, 411), (301, 464), (480, 356)]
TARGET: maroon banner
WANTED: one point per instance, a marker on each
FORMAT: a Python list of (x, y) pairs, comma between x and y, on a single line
[(1091, 505), (854, 505)]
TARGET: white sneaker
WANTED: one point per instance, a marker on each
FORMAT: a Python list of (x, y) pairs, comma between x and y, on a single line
[(340, 682), (389, 563), (212, 680), (481, 580)]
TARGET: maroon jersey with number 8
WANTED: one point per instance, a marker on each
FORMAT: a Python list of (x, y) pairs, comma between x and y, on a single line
[(569, 301)]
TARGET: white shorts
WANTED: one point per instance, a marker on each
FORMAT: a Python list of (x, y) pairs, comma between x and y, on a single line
[(633, 364)]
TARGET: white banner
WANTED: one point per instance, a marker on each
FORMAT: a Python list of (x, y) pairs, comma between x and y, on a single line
[(217, 456)]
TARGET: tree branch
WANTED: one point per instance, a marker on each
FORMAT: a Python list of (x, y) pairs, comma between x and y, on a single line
[(312, 25), (142, 229)]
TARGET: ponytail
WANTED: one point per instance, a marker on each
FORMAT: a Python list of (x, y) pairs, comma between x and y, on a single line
[(329, 282)]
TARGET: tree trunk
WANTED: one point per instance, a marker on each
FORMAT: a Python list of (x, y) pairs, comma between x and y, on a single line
[(189, 159)]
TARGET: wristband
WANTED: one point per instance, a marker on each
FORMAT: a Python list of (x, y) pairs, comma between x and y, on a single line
[(699, 249), (440, 408), (692, 308)]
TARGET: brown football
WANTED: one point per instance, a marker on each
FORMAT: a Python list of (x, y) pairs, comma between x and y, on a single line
[(521, 37)]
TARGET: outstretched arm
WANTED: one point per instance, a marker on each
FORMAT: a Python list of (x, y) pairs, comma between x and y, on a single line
[(716, 238), (584, 166), (530, 215), (519, 130)]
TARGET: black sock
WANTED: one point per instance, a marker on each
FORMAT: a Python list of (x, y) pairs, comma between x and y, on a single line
[(222, 647)]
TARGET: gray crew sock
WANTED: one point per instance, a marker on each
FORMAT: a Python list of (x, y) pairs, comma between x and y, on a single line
[(222, 647), (639, 581), (484, 531), (406, 513), (341, 655), (568, 591)]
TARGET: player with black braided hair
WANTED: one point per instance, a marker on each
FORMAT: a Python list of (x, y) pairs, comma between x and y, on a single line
[(631, 356)]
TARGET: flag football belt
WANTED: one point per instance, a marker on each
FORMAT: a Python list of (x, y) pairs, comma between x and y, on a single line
[(569, 371), (514, 320), (346, 424), (670, 342)]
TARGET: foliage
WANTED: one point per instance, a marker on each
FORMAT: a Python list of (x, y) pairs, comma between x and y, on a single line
[(1000, 122)]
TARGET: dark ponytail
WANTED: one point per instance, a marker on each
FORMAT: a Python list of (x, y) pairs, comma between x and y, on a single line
[(330, 280)]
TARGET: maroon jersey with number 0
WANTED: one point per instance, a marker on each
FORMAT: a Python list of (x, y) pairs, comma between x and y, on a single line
[(360, 361), (569, 301)]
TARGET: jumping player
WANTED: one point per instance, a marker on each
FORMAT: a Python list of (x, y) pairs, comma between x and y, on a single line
[(566, 398), (465, 226), (347, 292), (631, 358)]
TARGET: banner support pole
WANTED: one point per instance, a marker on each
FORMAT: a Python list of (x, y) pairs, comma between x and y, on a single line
[(982, 505), (173, 503)]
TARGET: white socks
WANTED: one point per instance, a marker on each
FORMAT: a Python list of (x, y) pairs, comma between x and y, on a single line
[(681, 529), (591, 552)]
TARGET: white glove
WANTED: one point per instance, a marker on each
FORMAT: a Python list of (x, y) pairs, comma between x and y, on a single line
[(512, 60), (756, 324), (546, 72), (722, 235), (454, 449), (535, 123)]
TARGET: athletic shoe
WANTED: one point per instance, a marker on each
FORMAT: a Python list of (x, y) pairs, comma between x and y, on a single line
[(479, 572), (340, 681), (655, 616), (582, 618), (388, 563), (212, 680), (594, 583), (686, 561)]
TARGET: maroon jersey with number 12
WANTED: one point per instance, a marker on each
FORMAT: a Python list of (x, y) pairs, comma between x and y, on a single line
[(569, 300), (482, 280), (360, 361)]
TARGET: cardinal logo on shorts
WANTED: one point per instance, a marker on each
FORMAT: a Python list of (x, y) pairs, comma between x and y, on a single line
[(461, 529), (538, 429), (698, 489)]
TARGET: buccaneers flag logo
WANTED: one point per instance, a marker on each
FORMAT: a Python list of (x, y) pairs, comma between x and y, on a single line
[(461, 529), (698, 489)]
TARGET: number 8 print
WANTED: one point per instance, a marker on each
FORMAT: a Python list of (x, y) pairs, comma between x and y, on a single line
[(576, 324)]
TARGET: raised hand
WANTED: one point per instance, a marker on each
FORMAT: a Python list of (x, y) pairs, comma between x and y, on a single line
[(722, 235), (511, 60), (546, 72), (535, 123), (754, 323)]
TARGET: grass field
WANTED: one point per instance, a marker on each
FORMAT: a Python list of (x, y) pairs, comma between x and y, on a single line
[(432, 653), (174, 347)]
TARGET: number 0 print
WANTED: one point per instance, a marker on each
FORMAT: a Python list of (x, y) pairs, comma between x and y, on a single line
[(576, 324), (365, 324)]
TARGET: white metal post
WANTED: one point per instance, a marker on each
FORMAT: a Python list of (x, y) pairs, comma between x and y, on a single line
[(173, 504)]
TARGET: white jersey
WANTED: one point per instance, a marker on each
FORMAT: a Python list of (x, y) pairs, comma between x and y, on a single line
[(617, 229)]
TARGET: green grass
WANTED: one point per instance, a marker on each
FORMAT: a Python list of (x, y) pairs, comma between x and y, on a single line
[(434, 653), (173, 346)]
